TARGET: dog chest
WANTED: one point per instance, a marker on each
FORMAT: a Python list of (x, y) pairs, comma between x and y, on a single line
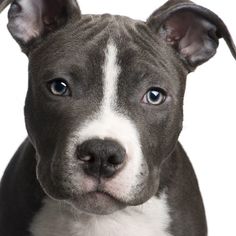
[(149, 219)]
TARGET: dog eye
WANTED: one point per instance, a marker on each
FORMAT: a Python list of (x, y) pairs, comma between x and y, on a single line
[(154, 96), (59, 87)]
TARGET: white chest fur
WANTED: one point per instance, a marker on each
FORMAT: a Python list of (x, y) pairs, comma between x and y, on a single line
[(149, 219)]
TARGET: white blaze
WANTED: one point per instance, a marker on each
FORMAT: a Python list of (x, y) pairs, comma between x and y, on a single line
[(111, 72)]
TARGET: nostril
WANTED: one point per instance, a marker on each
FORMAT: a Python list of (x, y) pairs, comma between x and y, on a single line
[(115, 159), (88, 158), (85, 158), (85, 155)]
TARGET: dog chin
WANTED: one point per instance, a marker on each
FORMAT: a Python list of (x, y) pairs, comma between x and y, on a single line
[(98, 203)]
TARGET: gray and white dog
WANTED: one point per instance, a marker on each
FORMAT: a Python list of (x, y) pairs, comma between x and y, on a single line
[(103, 114)]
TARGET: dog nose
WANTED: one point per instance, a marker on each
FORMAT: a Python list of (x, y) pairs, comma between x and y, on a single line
[(101, 158)]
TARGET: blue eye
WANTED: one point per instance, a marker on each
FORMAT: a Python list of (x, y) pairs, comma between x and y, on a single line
[(59, 88), (154, 96)]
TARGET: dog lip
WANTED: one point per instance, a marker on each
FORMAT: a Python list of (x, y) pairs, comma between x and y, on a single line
[(100, 192)]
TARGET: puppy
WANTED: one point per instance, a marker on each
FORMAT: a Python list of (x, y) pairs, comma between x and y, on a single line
[(103, 112)]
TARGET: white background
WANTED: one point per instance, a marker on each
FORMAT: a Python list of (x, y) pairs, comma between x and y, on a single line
[(209, 132)]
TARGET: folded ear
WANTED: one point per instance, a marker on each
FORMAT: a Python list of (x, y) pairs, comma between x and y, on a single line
[(193, 31), (33, 19), (4, 4)]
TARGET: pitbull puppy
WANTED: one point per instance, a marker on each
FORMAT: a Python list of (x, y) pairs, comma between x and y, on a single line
[(103, 111)]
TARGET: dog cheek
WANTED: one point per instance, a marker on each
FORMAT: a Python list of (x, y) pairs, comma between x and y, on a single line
[(135, 190), (160, 137), (53, 178), (44, 177)]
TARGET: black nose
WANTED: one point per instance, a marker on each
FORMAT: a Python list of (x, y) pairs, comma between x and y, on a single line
[(101, 158)]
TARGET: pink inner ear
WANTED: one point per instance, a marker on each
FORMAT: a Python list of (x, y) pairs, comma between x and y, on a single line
[(25, 19), (30, 19), (176, 28), (189, 35)]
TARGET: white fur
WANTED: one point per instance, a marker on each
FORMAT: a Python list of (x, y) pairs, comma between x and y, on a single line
[(109, 123), (149, 219)]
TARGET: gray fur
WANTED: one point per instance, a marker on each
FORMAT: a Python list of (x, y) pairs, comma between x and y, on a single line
[(72, 48)]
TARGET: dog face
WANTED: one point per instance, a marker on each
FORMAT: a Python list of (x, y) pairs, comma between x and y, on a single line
[(104, 105), (110, 89)]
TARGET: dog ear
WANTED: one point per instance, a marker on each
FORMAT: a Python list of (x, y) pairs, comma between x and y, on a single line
[(4, 4), (193, 31), (33, 19)]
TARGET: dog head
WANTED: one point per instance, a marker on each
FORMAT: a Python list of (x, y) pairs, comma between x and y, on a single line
[(104, 105)]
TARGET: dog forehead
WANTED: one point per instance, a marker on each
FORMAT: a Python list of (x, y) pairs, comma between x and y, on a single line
[(88, 36), (82, 44)]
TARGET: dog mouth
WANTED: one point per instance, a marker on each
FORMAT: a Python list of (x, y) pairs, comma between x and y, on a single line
[(97, 202), (99, 194)]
